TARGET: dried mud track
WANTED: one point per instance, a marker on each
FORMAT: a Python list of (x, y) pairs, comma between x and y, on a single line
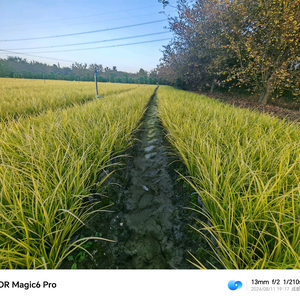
[(148, 222), (149, 203)]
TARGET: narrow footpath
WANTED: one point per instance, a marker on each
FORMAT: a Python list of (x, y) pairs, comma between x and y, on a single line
[(149, 223)]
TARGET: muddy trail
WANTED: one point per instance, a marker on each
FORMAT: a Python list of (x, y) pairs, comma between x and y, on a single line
[(148, 220)]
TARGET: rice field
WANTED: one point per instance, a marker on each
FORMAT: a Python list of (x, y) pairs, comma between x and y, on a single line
[(50, 162), (30, 97), (245, 167)]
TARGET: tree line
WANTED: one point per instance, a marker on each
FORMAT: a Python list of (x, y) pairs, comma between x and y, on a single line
[(248, 45), (16, 67)]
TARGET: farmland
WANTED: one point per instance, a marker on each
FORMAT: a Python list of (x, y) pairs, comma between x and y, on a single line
[(245, 167), (28, 97), (57, 138), (48, 164)]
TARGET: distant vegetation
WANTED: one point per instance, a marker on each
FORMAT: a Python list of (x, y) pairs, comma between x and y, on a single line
[(16, 67)]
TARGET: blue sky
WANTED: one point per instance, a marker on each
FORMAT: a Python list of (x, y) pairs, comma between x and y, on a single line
[(34, 19)]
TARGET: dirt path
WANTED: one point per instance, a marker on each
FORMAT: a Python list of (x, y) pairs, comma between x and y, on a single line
[(148, 222), (283, 110)]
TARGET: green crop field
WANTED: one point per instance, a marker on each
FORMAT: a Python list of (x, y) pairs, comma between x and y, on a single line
[(49, 162), (57, 137), (245, 167), (25, 96)]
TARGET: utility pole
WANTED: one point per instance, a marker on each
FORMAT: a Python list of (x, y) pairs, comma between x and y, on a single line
[(96, 82)]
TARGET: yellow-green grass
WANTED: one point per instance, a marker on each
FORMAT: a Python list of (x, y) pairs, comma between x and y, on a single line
[(32, 96), (245, 166), (48, 164)]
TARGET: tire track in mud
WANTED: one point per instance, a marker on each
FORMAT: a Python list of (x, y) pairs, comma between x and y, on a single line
[(148, 224)]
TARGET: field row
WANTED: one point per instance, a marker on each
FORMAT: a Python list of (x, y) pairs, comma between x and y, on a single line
[(48, 164), (245, 167), (27, 97)]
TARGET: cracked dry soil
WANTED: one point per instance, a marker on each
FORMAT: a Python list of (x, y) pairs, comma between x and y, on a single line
[(148, 222)]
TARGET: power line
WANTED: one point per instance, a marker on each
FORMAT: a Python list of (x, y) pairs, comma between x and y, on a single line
[(80, 33), (28, 54), (66, 19), (112, 46), (71, 50), (95, 42)]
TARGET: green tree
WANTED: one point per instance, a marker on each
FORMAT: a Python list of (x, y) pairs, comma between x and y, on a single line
[(153, 73), (25, 74), (79, 69), (2, 71), (93, 66), (52, 75), (125, 78), (88, 76), (264, 35), (194, 56), (246, 44), (70, 77), (142, 72), (60, 76), (111, 77)]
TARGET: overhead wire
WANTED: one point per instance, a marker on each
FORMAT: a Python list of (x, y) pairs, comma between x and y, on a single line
[(28, 54), (85, 32), (111, 46), (81, 33), (94, 42)]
